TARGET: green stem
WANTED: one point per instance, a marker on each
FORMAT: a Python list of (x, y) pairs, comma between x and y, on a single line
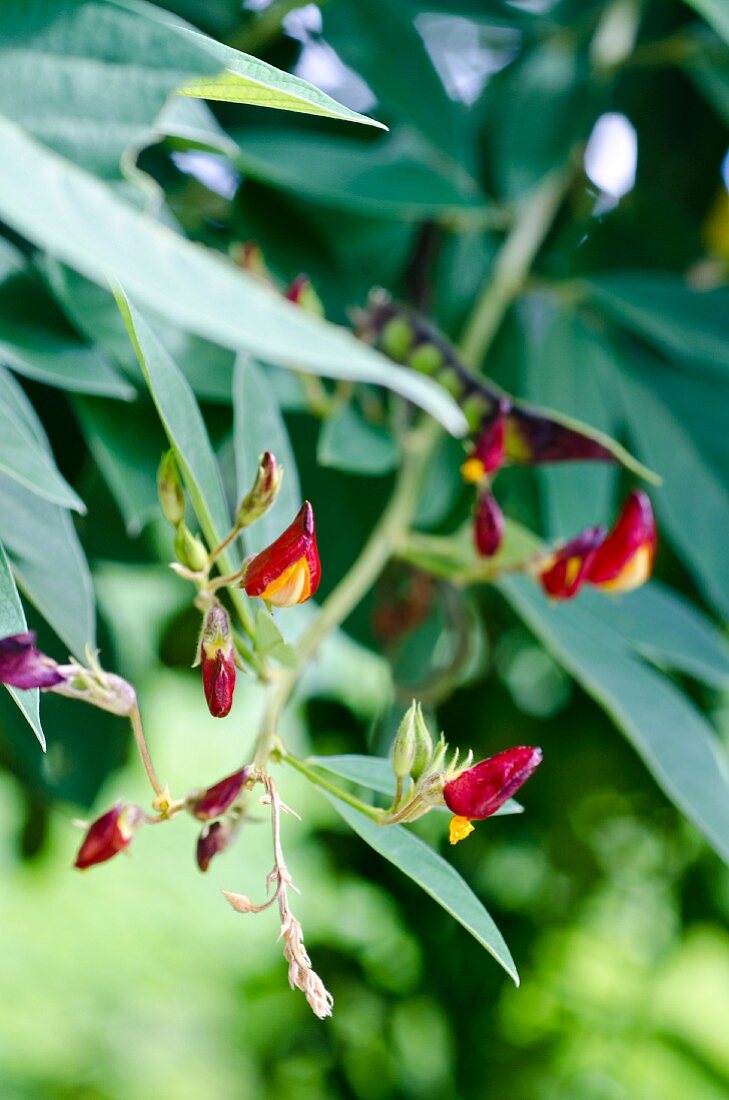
[(509, 271), (326, 785), (512, 264)]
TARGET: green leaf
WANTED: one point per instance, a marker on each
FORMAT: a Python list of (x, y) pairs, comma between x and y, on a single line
[(566, 367), (435, 875), (49, 563), (669, 733), (93, 311), (693, 504), (669, 631), (246, 79), (258, 426), (82, 222), (375, 772), (270, 642), (687, 325), (12, 621), (89, 78), (183, 423), (395, 177), (714, 12), (349, 442), (23, 458), (37, 341), (127, 451)]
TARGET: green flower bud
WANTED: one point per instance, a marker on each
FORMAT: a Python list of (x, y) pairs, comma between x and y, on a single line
[(169, 489), (423, 745), (262, 493), (403, 747), (426, 358), (397, 338), (190, 551)]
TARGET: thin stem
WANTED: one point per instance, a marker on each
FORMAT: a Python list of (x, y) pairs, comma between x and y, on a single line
[(326, 785), (223, 546), (136, 720)]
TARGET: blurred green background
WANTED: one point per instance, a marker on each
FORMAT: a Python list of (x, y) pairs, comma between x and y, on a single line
[(136, 981)]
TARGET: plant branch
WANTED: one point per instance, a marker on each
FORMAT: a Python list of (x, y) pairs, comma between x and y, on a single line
[(326, 785)]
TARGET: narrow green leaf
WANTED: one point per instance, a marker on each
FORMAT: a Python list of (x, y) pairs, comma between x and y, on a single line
[(668, 630), (393, 178), (670, 734), (714, 12), (127, 451), (36, 340), (375, 772), (81, 221), (258, 426), (246, 79), (49, 563), (565, 367), (688, 325), (348, 442), (693, 505), (12, 621), (183, 423), (435, 875), (23, 458)]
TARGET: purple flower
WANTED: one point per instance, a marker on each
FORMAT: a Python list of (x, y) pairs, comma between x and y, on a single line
[(24, 666)]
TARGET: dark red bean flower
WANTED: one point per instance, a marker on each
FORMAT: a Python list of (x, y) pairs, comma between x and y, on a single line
[(214, 839), (217, 659), (288, 571), (24, 666), (109, 834), (478, 792), (624, 560), (569, 567), (214, 801), (488, 524)]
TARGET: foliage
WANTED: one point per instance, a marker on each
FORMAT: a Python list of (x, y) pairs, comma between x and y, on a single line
[(134, 317)]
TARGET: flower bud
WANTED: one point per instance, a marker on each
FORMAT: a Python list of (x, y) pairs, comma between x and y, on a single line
[(109, 834), (488, 524), (301, 292), (169, 489), (478, 792), (190, 550), (488, 453), (249, 257), (213, 839), (624, 560), (217, 658), (262, 493), (423, 745), (404, 745), (24, 666), (567, 570), (214, 801), (288, 571)]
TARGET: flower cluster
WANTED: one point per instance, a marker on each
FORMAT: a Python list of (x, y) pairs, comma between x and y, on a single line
[(505, 431), (615, 561), (425, 777)]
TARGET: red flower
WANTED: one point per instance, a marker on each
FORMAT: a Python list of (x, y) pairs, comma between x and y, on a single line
[(624, 561), (478, 792), (24, 666), (288, 571), (488, 452), (488, 524), (109, 834), (217, 799), (213, 839), (569, 567), (618, 561), (217, 657)]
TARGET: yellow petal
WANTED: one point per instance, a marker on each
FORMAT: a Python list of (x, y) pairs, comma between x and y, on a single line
[(460, 828)]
